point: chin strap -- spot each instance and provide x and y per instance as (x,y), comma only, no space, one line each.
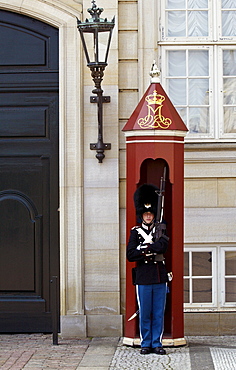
(148,226)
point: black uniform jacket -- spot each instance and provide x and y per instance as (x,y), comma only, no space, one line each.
(149,272)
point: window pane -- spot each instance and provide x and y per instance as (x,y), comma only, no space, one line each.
(229,23)
(183,114)
(199,120)
(186,290)
(229,62)
(197,23)
(177,91)
(229,86)
(229,100)
(175,4)
(198,91)
(230,263)
(202,291)
(194,4)
(227,4)
(176,24)
(229,120)
(176,63)
(186,263)
(230,290)
(198,63)
(202,263)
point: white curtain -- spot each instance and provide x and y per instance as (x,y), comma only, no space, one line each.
(197,4)
(229,23)
(198,91)
(230,120)
(228,4)
(190,4)
(198,63)
(199,121)
(188,73)
(177,24)
(188,87)
(175,4)
(197,23)
(229,62)
(177,63)
(178,91)
(185,22)
(229,90)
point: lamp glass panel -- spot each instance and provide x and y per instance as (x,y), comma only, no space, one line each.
(97,50)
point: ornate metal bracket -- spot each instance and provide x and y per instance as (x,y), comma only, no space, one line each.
(100,146)
(96,26)
(97,73)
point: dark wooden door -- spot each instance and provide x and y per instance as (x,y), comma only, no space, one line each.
(29,231)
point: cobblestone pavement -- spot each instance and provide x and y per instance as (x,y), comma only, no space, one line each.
(36,352)
(130,358)
(201,353)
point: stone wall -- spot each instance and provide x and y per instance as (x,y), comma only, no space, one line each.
(92,195)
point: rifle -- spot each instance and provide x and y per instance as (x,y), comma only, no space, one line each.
(160,228)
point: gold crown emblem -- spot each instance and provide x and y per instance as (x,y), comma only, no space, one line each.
(154,98)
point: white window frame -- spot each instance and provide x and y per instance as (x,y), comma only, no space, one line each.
(216,43)
(218,280)
(223,304)
(163,26)
(214,30)
(217,13)
(202,306)
(164,68)
(220,89)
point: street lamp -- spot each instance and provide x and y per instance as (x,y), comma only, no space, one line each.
(100,30)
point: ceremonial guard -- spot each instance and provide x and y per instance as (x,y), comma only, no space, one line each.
(150,275)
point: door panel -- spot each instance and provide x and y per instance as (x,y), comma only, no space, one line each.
(29,232)
(19,52)
(17,247)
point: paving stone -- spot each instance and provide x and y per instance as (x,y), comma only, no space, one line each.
(36,352)
(130,358)
(224,358)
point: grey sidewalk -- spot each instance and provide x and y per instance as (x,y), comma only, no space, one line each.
(200,353)
(36,351)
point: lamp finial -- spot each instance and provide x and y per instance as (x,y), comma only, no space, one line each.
(95,12)
(155,73)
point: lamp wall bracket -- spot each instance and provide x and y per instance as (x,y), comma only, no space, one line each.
(105,99)
(97,146)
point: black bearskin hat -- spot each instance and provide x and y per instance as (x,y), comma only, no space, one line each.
(146,199)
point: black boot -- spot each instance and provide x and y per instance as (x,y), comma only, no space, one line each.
(145,351)
(159,351)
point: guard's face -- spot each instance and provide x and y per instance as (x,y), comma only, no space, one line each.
(148,217)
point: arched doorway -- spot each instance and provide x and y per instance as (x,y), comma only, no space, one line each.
(29,187)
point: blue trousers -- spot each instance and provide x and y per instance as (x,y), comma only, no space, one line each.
(151,301)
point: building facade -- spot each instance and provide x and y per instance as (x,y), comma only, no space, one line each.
(194,45)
